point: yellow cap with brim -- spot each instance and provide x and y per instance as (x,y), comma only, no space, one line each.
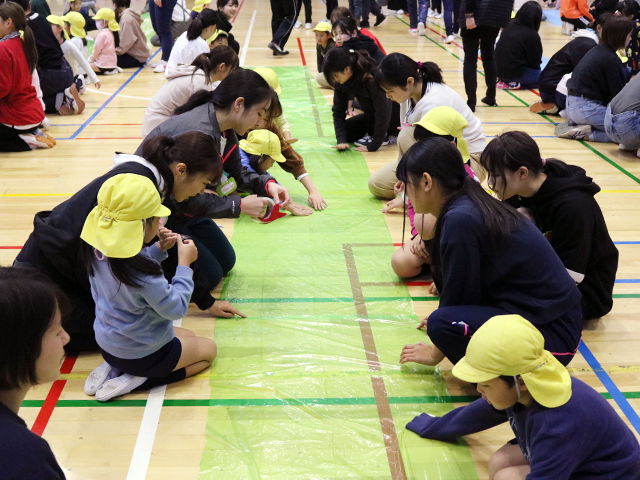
(215,35)
(114,226)
(56,20)
(109,16)
(263,142)
(447,121)
(199,5)
(323,27)
(510,345)
(271,78)
(77,22)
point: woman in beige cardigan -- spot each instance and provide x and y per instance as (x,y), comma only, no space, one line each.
(205,73)
(133,51)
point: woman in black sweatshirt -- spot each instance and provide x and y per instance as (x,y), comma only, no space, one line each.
(519,50)
(351,73)
(559,198)
(346,34)
(486,260)
(597,78)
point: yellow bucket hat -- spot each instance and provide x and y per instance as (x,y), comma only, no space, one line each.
(271,77)
(199,5)
(56,20)
(447,121)
(215,35)
(115,226)
(77,22)
(510,345)
(263,142)
(323,27)
(109,16)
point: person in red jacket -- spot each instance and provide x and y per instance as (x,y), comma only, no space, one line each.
(21,113)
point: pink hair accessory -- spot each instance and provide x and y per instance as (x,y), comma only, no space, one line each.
(544,161)
(419,64)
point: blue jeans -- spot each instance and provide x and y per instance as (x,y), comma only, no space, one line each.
(623,128)
(529,79)
(451,16)
(423,10)
(161,23)
(583,111)
(451,328)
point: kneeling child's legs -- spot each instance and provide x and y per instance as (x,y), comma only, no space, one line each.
(508,463)
(197,352)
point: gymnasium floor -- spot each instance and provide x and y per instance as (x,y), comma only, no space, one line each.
(309,385)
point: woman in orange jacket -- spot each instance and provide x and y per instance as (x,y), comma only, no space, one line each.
(576,12)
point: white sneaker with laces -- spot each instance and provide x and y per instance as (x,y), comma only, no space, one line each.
(399,13)
(449,39)
(439,15)
(121,385)
(298,24)
(160,67)
(308,26)
(431,13)
(421,29)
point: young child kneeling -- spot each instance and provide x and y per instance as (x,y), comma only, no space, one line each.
(135,305)
(564,428)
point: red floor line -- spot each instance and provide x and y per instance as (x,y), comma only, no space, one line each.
(304,63)
(237,11)
(52,398)
(418,284)
(11,248)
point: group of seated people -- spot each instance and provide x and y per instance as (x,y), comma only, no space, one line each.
(518,270)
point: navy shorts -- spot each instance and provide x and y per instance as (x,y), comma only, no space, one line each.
(157,365)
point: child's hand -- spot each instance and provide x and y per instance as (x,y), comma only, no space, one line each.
(398,187)
(292,140)
(342,146)
(395,203)
(279,193)
(287,137)
(423,324)
(417,247)
(187,252)
(97,85)
(166,239)
(316,201)
(223,308)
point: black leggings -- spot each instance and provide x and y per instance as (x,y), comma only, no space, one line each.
(579,23)
(359,125)
(127,61)
(484,38)
(11,142)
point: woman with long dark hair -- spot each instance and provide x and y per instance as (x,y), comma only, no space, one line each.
(486,260)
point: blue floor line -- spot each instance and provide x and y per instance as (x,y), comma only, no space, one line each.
(115,94)
(628,280)
(611,387)
(626,243)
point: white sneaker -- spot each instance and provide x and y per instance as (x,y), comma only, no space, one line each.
(38,139)
(308,26)
(638,153)
(100,375)
(160,67)
(298,24)
(121,385)
(439,15)
(155,64)
(449,39)
(431,13)
(119,69)
(399,13)
(115,72)
(421,28)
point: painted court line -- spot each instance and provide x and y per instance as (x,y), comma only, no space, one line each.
(121,96)
(243,56)
(52,398)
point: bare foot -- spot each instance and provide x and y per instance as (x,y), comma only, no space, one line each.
(421,353)
(298,210)
(76,96)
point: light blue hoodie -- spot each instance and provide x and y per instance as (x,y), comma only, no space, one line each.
(135,322)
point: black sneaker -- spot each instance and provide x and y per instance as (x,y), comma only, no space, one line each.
(277,51)
(379,19)
(365,25)
(364,141)
(489,101)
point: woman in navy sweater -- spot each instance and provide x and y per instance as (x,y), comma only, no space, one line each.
(487,260)
(597,78)
(559,198)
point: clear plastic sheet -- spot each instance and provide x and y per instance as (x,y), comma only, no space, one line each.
(293,384)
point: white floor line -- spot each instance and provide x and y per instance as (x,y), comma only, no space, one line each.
(147,434)
(119,96)
(246,40)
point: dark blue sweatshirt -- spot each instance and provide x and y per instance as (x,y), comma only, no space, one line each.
(584,439)
(524,277)
(23,454)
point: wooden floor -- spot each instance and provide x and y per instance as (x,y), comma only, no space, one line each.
(98,443)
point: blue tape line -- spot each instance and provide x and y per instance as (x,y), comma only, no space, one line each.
(626,243)
(95,114)
(611,387)
(628,280)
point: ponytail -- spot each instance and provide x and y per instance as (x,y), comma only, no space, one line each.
(16,14)
(511,150)
(209,62)
(205,19)
(397,68)
(362,64)
(116,38)
(443,162)
(240,83)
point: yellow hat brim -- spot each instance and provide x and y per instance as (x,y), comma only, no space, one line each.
(463,146)
(278,158)
(465,372)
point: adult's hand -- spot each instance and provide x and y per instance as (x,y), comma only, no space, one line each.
(418,248)
(471,23)
(224,309)
(391,204)
(316,200)
(253,205)
(279,193)
(342,146)
(158,2)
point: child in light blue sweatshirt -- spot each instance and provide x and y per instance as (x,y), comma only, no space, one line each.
(135,305)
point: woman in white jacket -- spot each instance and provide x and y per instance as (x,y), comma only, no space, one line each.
(193,42)
(418,87)
(205,73)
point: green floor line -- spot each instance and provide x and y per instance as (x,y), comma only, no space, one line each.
(260,402)
(600,154)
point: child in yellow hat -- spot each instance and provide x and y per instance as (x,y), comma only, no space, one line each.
(103,59)
(76,6)
(259,152)
(563,427)
(220,37)
(135,305)
(324,43)
(72,54)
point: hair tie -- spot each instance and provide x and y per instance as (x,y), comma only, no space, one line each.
(351,50)
(463,176)
(419,64)
(544,161)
